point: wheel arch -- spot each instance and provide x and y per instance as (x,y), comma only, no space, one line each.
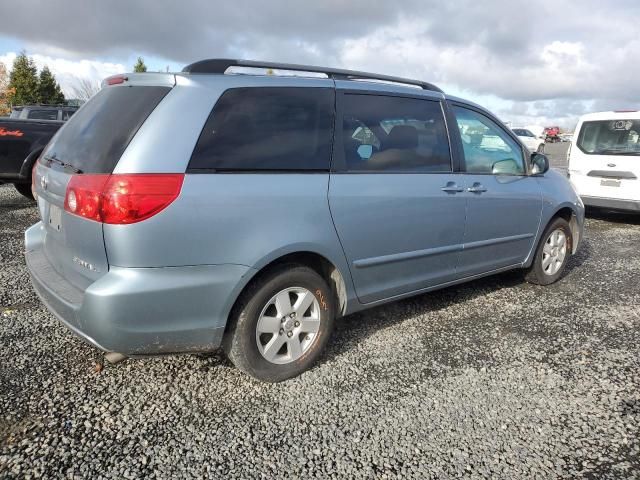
(567,212)
(570,215)
(320,263)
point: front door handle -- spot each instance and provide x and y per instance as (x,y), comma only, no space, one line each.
(452,187)
(476,188)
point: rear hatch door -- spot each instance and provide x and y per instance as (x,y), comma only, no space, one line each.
(90,143)
(605,161)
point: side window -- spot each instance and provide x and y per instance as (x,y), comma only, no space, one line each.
(43,114)
(384,133)
(487,147)
(272,128)
(66,114)
(364,135)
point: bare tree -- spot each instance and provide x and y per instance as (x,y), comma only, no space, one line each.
(5,93)
(84,88)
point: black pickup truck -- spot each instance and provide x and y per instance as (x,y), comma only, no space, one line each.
(21,142)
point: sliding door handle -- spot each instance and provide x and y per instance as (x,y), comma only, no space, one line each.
(476,188)
(452,187)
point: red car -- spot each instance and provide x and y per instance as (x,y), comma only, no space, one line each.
(552,134)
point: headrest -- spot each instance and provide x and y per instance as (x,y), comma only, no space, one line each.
(402,136)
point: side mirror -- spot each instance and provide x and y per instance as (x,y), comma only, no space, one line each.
(506,167)
(539,163)
(365,151)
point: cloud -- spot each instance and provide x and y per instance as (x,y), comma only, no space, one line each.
(578,53)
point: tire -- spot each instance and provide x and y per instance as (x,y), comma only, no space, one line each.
(24,189)
(541,148)
(544,271)
(285,337)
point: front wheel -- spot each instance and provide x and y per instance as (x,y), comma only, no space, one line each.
(281,324)
(552,254)
(24,189)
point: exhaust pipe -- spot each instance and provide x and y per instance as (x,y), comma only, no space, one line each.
(114,357)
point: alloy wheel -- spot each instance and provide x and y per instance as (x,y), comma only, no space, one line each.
(554,252)
(288,325)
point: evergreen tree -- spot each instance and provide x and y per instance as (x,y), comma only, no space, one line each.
(140,67)
(48,89)
(23,81)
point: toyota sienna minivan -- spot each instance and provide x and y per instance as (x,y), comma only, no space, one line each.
(226,206)
(604,160)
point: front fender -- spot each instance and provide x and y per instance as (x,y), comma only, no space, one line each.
(558,196)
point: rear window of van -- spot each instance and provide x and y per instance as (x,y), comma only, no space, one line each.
(94,138)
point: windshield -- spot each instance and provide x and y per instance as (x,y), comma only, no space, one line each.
(610,137)
(521,132)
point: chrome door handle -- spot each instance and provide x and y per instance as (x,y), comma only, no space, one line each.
(477,188)
(452,188)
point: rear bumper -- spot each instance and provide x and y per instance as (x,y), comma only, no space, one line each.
(612,203)
(140,311)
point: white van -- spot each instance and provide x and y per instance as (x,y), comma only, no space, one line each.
(604,160)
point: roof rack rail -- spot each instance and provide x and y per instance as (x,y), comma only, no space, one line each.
(220,65)
(56,105)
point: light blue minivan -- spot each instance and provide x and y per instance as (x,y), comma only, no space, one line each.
(237,205)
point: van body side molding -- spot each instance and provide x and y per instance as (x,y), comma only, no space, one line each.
(398,257)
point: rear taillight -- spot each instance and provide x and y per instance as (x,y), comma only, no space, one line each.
(84,196)
(121,198)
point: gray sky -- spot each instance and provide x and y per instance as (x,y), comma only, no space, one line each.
(530,61)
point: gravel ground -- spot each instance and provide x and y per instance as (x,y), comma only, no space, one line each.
(492,379)
(557,153)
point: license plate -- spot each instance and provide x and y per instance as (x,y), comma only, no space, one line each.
(610,183)
(55,217)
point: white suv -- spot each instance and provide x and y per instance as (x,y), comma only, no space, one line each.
(604,160)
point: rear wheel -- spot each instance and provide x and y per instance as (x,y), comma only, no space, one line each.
(24,189)
(541,148)
(552,253)
(281,324)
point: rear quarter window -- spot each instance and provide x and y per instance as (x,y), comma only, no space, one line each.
(42,115)
(272,128)
(94,138)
